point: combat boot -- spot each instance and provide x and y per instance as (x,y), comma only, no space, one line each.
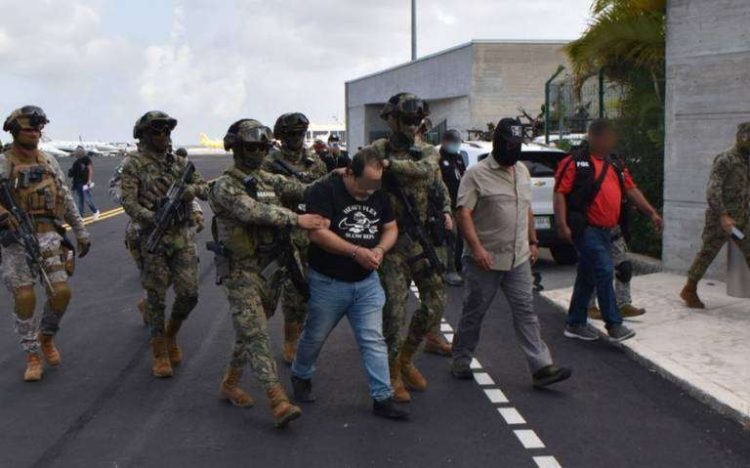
(161,366)
(629,310)
(435,343)
(33,368)
(51,354)
(291,336)
(231,391)
(413,379)
(283,411)
(594,313)
(170,337)
(142,309)
(400,394)
(689,294)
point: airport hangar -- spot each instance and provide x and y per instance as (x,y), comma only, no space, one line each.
(466,86)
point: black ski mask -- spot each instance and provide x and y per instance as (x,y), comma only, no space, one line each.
(506,154)
(507,141)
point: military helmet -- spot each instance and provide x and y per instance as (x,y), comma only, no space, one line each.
(155,119)
(35,115)
(247,131)
(290,122)
(744,127)
(406,104)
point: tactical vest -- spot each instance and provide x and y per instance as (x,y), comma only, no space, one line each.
(36,186)
(586,187)
(156,178)
(247,241)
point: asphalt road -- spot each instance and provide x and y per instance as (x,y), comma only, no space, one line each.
(102,407)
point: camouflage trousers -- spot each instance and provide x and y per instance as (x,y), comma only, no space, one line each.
(397,275)
(133,244)
(176,267)
(714,239)
(619,256)
(293,303)
(17,277)
(251,301)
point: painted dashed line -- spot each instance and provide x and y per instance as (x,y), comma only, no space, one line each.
(512,417)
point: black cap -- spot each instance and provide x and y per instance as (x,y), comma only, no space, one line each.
(510,130)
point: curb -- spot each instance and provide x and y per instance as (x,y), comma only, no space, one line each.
(695,392)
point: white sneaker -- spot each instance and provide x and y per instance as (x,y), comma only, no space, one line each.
(96,215)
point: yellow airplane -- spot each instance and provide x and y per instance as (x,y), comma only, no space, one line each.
(206,142)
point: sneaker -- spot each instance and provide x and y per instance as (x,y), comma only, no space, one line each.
(96,215)
(389,409)
(302,389)
(619,332)
(582,332)
(628,310)
(454,279)
(551,374)
(461,371)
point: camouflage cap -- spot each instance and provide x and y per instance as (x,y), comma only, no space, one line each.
(35,115)
(405,103)
(292,121)
(247,131)
(150,118)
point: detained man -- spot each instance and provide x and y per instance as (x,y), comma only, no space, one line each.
(343,278)
(496,220)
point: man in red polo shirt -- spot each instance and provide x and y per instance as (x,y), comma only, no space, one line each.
(588,199)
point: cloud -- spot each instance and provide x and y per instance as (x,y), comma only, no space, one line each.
(219,61)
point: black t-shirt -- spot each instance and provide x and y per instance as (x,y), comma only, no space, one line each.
(452,167)
(358,222)
(79,171)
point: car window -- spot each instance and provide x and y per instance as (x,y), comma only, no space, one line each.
(542,163)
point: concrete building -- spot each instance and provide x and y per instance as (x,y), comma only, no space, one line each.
(708,71)
(466,86)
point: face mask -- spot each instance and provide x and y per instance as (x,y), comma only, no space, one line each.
(453,148)
(251,159)
(507,156)
(294,141)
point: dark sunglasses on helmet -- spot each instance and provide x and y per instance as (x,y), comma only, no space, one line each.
(262,135)
(158,127)
(414,106)
(295,120)
(411,119)
(253,147)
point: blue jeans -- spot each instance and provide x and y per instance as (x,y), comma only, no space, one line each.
(84,196)
(596,270)
(362,303)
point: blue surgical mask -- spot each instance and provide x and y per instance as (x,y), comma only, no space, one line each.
(453,148)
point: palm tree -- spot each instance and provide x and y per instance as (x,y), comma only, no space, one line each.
(626,37)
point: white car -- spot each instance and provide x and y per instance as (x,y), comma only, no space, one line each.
(542,162)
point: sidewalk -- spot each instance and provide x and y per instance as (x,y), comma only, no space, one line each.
(707,352)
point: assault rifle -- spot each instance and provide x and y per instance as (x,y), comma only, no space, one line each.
(24,234)
(171,209)
(289,259)
(282,167)
(414,227)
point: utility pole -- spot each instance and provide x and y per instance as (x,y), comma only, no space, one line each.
(413,30)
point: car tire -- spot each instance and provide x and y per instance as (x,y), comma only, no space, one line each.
(564,254)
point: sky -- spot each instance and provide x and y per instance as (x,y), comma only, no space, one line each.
(95,66)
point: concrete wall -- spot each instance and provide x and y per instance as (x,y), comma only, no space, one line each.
(708,71)
(509,76)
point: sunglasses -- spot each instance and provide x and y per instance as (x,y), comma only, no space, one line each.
(411,119)
(254,147)
(161,127)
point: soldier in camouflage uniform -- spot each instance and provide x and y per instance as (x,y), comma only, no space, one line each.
(414,165)
(728,197)
(248,215)
(38,186)
(146,178)
(132,243)
(290,130)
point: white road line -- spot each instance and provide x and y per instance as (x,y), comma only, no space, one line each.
(511,416)
(445,327)
(546,462)
(475,364)
(483,378)
(495,395)
(448,337)
(529,439)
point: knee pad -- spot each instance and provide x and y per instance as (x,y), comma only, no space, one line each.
(624,272)
(60,297)
(25,302)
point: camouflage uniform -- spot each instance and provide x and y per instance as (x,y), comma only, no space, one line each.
(728,193)
(248,228)
(50,202)
(146,178)
(415,175)
(311,168)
